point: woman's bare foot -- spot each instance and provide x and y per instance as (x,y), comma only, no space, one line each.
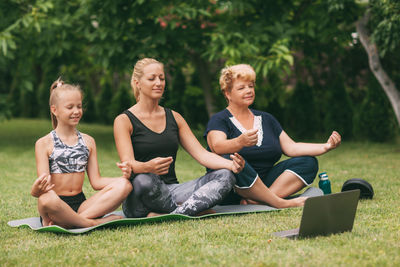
(205,212)
(154,214)
(246,201)
(295,202)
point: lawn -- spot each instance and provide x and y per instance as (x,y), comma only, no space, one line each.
(245,240)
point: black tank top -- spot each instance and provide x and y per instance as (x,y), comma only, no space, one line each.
(148,145)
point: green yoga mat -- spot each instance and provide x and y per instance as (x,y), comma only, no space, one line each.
(34,222)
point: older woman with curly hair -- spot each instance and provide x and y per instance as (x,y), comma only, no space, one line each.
(259,138)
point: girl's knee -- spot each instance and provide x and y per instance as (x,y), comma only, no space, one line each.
(122,185)
(126,187)
(48,200)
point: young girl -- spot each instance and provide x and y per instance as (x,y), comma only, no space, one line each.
(62,156)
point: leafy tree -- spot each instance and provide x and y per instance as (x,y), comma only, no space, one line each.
(96,44)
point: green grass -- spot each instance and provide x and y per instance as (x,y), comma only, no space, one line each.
(245,240)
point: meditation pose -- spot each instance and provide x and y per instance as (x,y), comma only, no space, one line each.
(259,138)
(147,137)
(62,157)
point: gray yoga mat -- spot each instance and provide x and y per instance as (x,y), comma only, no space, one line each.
(34,222)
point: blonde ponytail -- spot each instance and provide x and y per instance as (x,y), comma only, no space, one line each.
(55,87)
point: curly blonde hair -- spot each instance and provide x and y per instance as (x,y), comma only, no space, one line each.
(230,74)
(138,73)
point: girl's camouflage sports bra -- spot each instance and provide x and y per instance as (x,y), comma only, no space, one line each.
(68,159)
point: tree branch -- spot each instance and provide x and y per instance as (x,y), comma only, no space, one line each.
(375,65)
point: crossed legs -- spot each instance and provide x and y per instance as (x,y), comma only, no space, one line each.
(259,193)
(283,180)
(150,194)
(286,184)
(54,210)
(291,175)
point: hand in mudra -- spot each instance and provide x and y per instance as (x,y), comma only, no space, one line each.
(42,185)
(160,165)
(334,141)
(249,138)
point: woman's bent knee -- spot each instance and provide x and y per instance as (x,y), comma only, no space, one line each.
(309,168)
(144,183)
(227,176)
(312,163)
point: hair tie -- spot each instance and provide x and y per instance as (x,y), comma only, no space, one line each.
(59,84)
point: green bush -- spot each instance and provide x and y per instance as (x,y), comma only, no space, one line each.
(5,108)
(122,100)
(301,113)
(375,120)
(103,105)
(174,90)
(337,108)
(89,105)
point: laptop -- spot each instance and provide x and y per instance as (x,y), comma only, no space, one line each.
(327,214)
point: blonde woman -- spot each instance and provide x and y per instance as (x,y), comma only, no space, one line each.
(147,136)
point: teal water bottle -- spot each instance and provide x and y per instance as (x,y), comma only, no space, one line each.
(324,183)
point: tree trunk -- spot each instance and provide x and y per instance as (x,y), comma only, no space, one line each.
(375,65)
(205,82)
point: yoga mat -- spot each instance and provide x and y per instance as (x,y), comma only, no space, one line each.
(34,222)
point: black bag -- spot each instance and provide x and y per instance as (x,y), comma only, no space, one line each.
(366,190)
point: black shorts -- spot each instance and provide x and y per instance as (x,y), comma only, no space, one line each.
(73,201)
(305,168)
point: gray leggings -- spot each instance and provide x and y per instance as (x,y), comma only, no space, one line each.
(151,194)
